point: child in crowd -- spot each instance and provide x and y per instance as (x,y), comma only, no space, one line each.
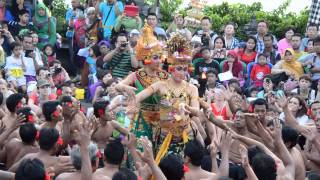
(260,70)
(212,78)
(304,89)
(94,53)
(233,65)
(202,67)
(15,67)
(50,53)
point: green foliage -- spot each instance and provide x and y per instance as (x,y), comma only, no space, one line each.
(167,10)
(241,14)
(59,11)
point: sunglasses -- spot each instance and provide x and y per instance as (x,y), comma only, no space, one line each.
(179,68)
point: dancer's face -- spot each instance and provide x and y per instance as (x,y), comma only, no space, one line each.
(180,72)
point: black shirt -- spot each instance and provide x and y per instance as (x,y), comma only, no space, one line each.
(15,28)
(201,69)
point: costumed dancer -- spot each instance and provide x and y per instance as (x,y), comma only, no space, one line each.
(176,94)
(149,52)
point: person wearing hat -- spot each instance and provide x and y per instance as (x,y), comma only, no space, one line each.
(42,95)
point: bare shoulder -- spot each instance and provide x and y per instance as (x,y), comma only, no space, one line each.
(64,176)
(100,175)
(14,142)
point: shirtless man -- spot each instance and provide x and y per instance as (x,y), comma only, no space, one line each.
(238,125)
(52,112)
(311,152)
(49,142)
(67,91)
(105,125)
(113,156)
(290,139)
(71,113)
(13,102)
(194,153)
(15,149)
(283,167)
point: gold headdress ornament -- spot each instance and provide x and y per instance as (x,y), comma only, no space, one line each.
(179,51)
(147,45)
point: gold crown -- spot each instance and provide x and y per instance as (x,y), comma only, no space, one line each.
(179,52)
(147,45)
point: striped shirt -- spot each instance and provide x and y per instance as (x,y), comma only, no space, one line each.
(121,64)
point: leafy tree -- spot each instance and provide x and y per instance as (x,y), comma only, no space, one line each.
(59,11)
(240,14)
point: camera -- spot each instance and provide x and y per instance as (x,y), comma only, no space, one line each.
(268,81)
(204,40)
(124,45)
(57,70)
(48,75)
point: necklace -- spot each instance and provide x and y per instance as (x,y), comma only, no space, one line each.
(176,92)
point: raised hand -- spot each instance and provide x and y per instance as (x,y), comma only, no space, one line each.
(226,92)
(130,141)
(282,101)
(147,155)
(18,122)
(308,133)
(83,136)
(93,123)
(277,132)
(226,141)
(129,91)
(252,117)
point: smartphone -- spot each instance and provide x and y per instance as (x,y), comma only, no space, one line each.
(28,52)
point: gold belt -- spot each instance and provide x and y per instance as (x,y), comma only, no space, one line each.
(175,127)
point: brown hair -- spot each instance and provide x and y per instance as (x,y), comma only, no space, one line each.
(302,103)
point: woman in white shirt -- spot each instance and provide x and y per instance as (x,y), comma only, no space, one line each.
(298,108)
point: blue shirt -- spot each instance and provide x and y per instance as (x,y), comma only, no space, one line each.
(315,61)
(111,21)
(69,15)
(304,44)
(92,65)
